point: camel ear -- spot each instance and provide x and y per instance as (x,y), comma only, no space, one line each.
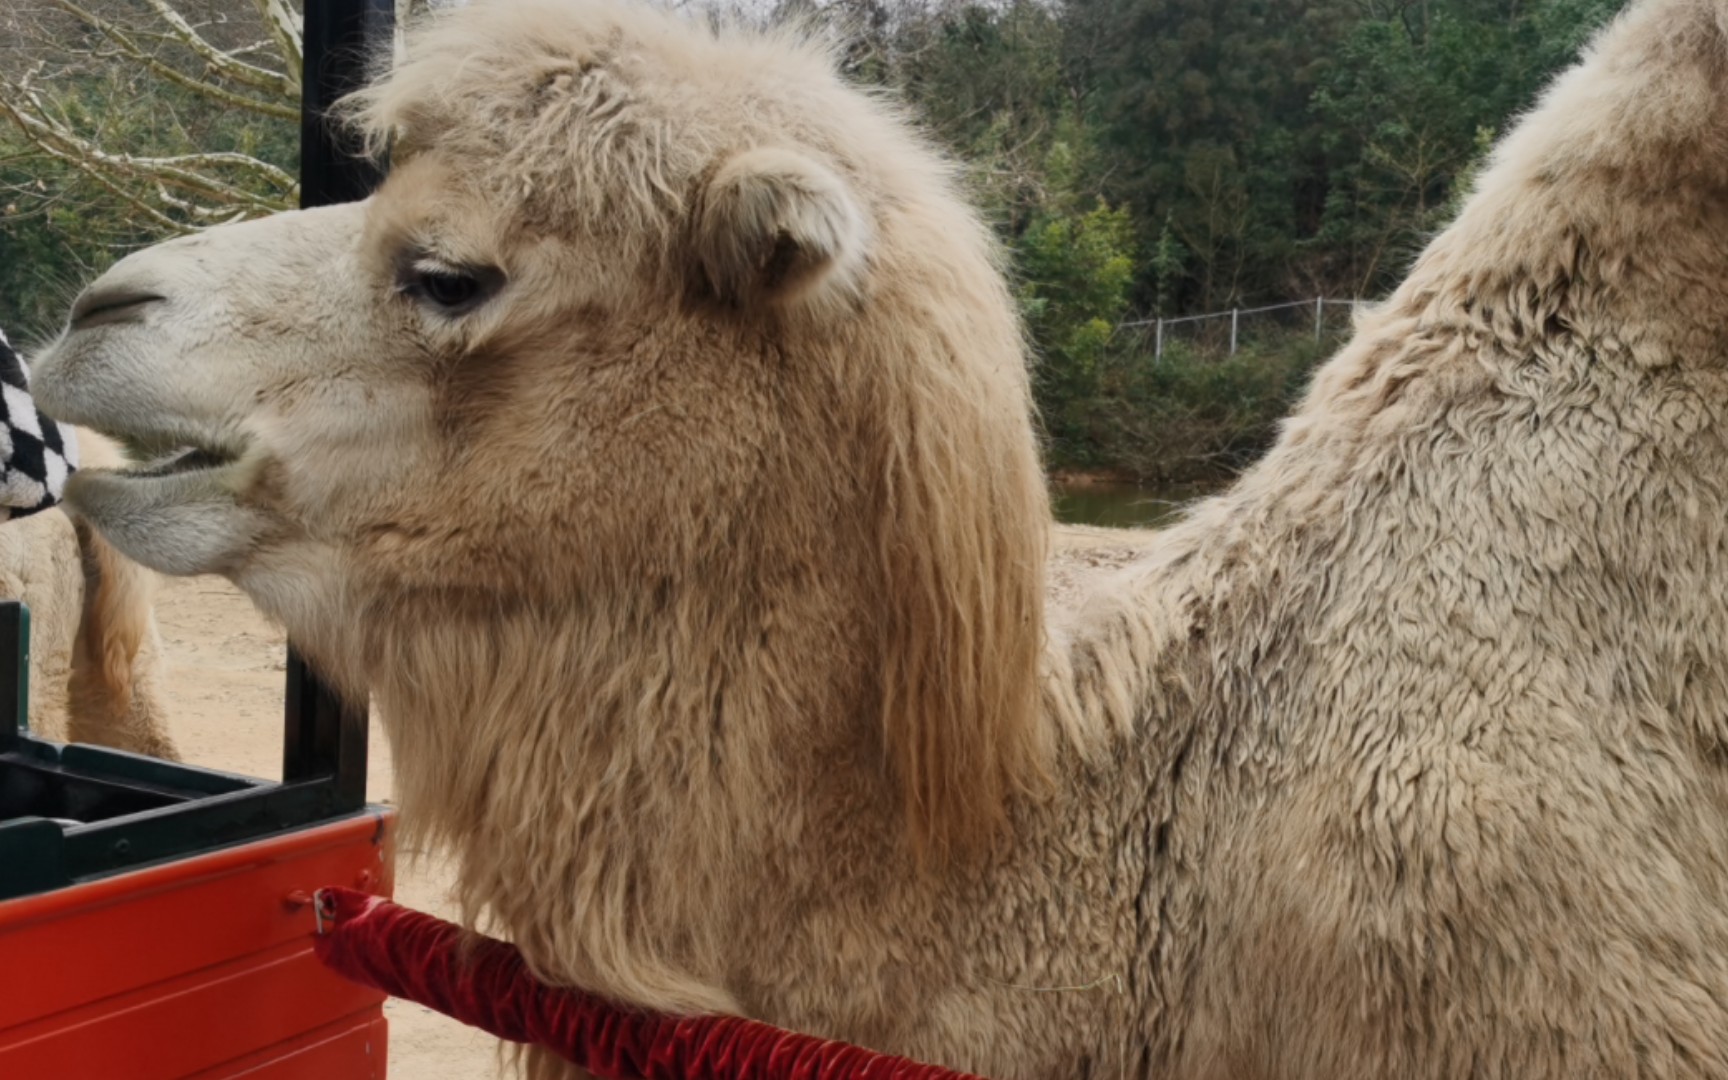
(774,227)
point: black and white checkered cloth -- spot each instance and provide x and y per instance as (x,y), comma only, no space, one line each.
(36,455)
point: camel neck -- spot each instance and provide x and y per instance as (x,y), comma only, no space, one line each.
(673,752)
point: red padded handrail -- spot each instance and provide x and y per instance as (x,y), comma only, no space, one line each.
(486,984)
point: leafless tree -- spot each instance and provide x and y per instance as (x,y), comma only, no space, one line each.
(165,108)
(177,114)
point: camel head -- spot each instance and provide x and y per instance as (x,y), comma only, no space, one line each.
(654,325)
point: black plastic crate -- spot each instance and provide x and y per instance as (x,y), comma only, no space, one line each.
(72,813)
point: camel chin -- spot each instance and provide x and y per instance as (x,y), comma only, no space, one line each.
(174,519)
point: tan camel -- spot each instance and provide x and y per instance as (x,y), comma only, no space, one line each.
(95,657)
(655,447)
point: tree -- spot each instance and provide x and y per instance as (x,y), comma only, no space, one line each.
(1404,111)
(124,122)
(1168,256)
(1075,267)
(1202,112)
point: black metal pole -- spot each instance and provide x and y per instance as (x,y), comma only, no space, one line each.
(340,37)
(326,736)
(14,672)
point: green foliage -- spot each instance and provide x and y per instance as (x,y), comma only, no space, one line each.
(989,81)
(1158,157)
(50,241)
(1174,156)
(1465,180)
(1562,27)
(1194,415)
(1402,113)
(1168,257)
(1202,109)
(1076,268)
(1302,146)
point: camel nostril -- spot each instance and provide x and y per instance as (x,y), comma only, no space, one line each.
(102,307)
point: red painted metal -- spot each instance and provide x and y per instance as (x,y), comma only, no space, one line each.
(200,968)
(349,1048)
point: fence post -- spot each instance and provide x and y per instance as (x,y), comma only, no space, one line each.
(1158,348)
(1234,312)
(1318,315)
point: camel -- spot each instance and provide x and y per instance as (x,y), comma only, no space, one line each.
(655,448)
(95,663)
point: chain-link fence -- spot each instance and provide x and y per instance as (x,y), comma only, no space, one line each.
(1227,331)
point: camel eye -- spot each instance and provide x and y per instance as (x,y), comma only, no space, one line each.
(451,290)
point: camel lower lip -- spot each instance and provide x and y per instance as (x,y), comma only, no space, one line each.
(188,475)
(185,521)
(153,485)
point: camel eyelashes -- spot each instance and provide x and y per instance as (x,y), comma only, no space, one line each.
(450,290)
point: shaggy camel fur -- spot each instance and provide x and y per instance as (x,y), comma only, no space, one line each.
(655,448)
(95,657)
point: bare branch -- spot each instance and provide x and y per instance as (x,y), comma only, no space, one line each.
(284,23)
(222,63)
(209,216)
(151,213)
(132,51)
(53,137)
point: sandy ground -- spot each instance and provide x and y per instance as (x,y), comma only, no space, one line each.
(225,706)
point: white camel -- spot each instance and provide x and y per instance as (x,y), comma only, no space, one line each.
(655,448)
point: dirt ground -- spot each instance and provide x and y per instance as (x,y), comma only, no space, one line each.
(225,697)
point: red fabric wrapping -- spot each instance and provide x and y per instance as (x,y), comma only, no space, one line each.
(411,955)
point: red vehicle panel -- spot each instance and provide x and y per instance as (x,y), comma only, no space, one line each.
(199,968)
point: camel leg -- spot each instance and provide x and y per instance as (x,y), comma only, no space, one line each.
(114,693)
(39,566)
(114,697)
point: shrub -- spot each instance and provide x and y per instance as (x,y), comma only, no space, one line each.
(1192,416)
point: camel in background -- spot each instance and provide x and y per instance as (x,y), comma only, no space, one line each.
(96,664)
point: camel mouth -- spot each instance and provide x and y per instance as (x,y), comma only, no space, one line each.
(170,471)
(166,467)
(168,449)
(184,459)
